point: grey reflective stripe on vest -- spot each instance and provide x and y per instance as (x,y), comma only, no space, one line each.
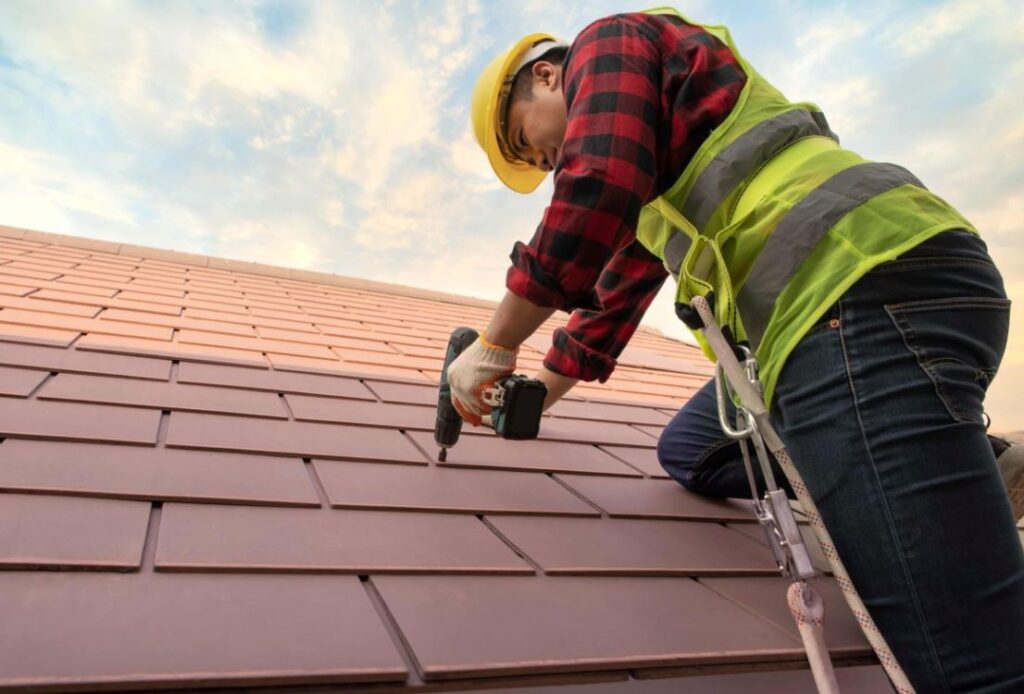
(799,232)
(735,164)
(745,155)
(675,250)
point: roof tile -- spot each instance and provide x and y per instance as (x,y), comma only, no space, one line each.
(36,335)
(199,337)
(89,362)
(287,362)
(107,301)
(605,412)
(254,318)
(404,393)
(277,381)
(869,679)
(39,531)
(606,546)
(93,630)
(562,429)
(15,289)
(331,340)
(643,459)
(328,540)
(544,624)
(38,303)
(20,382)
(370,485)
(89,325)
(175,321)
(766,597)
(166,396)
(221,432)
(174,350)
(9,270)
(655,499)
(65,420)
(159,474)
(489,451)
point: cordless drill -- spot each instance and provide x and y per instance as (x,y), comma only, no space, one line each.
(516,414)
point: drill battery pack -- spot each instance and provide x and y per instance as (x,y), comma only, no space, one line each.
(518,417)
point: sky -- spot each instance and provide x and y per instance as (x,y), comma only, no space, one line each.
(334,136)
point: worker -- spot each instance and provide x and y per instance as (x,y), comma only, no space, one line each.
(873,307)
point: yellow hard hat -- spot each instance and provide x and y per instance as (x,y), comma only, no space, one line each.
(490,105)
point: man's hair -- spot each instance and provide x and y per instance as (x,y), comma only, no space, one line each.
(522,86)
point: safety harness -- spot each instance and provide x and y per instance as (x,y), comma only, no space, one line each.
(773,511)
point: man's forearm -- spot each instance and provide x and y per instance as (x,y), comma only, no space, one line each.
(515,320)
(558,385)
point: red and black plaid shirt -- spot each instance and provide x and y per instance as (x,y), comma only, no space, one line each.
(642,92)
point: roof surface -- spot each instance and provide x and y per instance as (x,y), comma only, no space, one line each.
(218,474)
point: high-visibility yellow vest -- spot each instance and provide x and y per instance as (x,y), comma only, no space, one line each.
(778,220)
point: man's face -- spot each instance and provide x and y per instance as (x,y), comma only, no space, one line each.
(536,127)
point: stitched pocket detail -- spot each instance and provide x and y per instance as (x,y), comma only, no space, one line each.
(958,342)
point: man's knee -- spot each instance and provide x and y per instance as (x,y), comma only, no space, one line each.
(677,460)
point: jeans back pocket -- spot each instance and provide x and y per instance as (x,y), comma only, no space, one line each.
(959,343)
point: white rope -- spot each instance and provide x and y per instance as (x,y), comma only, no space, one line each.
(809,612)
(860,612)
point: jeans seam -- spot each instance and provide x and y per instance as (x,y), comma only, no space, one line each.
(923,262)
(907,334)
(979,302)
(702,458)
(886,511)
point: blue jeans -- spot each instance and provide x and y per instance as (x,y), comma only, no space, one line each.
(880,406)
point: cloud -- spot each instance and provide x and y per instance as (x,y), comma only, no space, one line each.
(40,186)
(930,28)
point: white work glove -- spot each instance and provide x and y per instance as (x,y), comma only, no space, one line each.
(474,371)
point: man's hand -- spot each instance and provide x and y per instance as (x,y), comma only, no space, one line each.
(475,370)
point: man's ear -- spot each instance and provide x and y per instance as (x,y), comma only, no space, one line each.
(546,74)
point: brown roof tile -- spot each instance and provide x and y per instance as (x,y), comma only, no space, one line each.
(538,625)
(153,473)
(39,531)
(20,382)
(489,451)
(167,396)
(654,499)
(643,459)
(92,630)
(65,420)
(229,433)
(277,381)
(605,546)
(333,540)
(83,362)
(370,485)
